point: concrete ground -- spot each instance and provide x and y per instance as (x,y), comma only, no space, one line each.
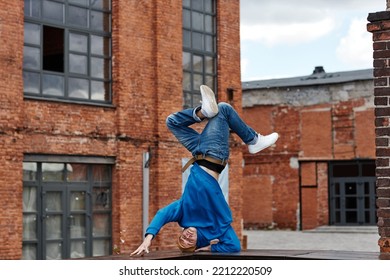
(362,239)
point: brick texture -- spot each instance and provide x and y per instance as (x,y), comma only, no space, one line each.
(147,87)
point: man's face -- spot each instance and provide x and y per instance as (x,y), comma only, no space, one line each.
(188,237)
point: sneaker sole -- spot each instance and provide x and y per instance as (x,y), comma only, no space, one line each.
(208,94)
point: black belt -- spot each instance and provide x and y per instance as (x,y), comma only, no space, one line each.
(199,157)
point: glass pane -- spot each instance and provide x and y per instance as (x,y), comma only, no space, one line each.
(350,188)
(77,249)
(101,225)
(186,19)
(351,202)
(366,188)
(78,16)
(53,171)
(196,99)
(77,201)
(368,169)
(53,11)
(32,33)
(78,64)
(78,42)
(29,199)
(78,88)
(80,2)
(31,58)
(53,251)
(197,21)
(209,43)
(53,201)
(186,81)
(351,216)
(31,82)
(101,199)
(197,4)
(77,172)
(186,61)
(186,39)
(337,202)
(187,100)
(29,252)
(77,226)
(187,3)
(367,217)
(100,4)
(31,8)
(197,63)
(99,91)
(53,49)
(197,41)
(101,173)
(101,248)
(100,45)
(29,171)
(210,65)
(29,227)
(209,26)
(367,203)
(52,85)
(208,6)
(337,188)
(53,227)
(99,67)
(197,81)
(100,21)
(347,170)
(209,81)
(337,217)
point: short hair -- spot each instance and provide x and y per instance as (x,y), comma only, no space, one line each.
(184,249)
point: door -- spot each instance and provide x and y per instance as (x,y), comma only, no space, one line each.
(352,193)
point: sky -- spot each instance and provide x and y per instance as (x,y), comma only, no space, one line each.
(288,38)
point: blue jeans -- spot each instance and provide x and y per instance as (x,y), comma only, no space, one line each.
(214,139)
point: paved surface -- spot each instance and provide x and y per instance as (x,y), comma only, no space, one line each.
(362,239)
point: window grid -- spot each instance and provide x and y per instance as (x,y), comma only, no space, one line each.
(199,49)
(86,73)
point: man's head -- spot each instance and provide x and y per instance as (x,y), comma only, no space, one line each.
(187,240)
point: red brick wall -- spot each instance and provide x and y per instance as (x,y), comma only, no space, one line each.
(309,137)
(147,87)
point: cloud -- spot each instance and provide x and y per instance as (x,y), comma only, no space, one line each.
(354,49)
(271,34)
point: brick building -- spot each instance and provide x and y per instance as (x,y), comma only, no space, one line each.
(322,170)
(86,87)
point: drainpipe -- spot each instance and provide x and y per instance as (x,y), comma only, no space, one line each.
(145,191)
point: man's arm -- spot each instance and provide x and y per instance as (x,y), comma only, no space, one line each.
(170,213)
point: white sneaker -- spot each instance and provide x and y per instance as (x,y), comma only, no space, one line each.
(209,105)
(263,142)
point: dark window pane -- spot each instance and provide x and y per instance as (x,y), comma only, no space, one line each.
(346,170)
(351,202)
(53,11)
(337,203)
(338,217)
(101,198)
(78,16)
(53,49)
(32,33)
(367,203)
(77,172)
(52,85)
(368,169)
(337,188)
(350,188)
(351,216)
(78,88)
(101,173)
